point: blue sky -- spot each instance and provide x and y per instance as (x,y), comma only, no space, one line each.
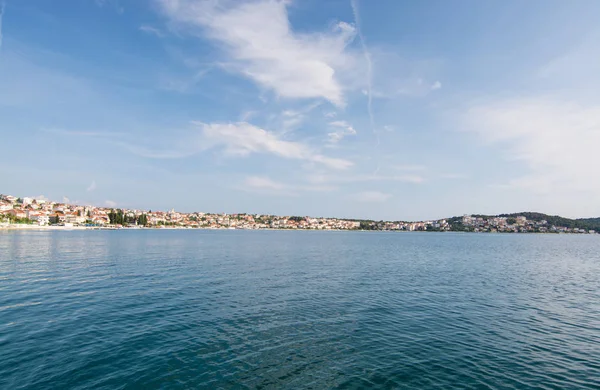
(385,110)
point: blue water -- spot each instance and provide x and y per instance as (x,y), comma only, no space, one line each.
(296,310)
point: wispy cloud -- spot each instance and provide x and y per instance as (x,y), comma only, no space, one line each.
(92,186)
(262,46)
(342,129)
(235,139)
(289,120)
(247,115)
(371,196)
(110,203)
(152,30)
(242,139)
(184,84)
(556,140)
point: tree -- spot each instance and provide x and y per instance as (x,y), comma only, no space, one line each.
(142,220)
(366,226)
(112,216)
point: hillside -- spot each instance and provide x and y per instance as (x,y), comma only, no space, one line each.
(556,220)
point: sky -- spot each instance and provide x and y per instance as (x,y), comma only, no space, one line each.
(387,109)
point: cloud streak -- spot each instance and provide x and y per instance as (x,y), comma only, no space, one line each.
(369,62)
(342,130)
(242,139)
(2,7)
(151,30)
(92,186)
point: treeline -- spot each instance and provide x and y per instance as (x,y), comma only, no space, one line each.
(117,217)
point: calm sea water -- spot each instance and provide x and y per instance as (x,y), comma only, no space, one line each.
(295,310)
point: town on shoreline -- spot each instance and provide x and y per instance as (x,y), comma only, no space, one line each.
(40,213)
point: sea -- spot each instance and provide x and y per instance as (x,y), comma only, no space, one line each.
(231,309)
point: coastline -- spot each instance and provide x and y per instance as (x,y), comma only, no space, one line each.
(27,227)
(38,227)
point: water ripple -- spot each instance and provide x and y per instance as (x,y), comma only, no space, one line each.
(272,310)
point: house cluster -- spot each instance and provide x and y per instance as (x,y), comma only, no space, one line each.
(437,225)
(518,224)
(43,212)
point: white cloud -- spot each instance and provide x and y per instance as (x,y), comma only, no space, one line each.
(371,196)
(436,85)
(343,129)
(152,30)
(236,139)
(92,186)
(557,141)
(242,139)
(110,203)
(261,45)
(66,200)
